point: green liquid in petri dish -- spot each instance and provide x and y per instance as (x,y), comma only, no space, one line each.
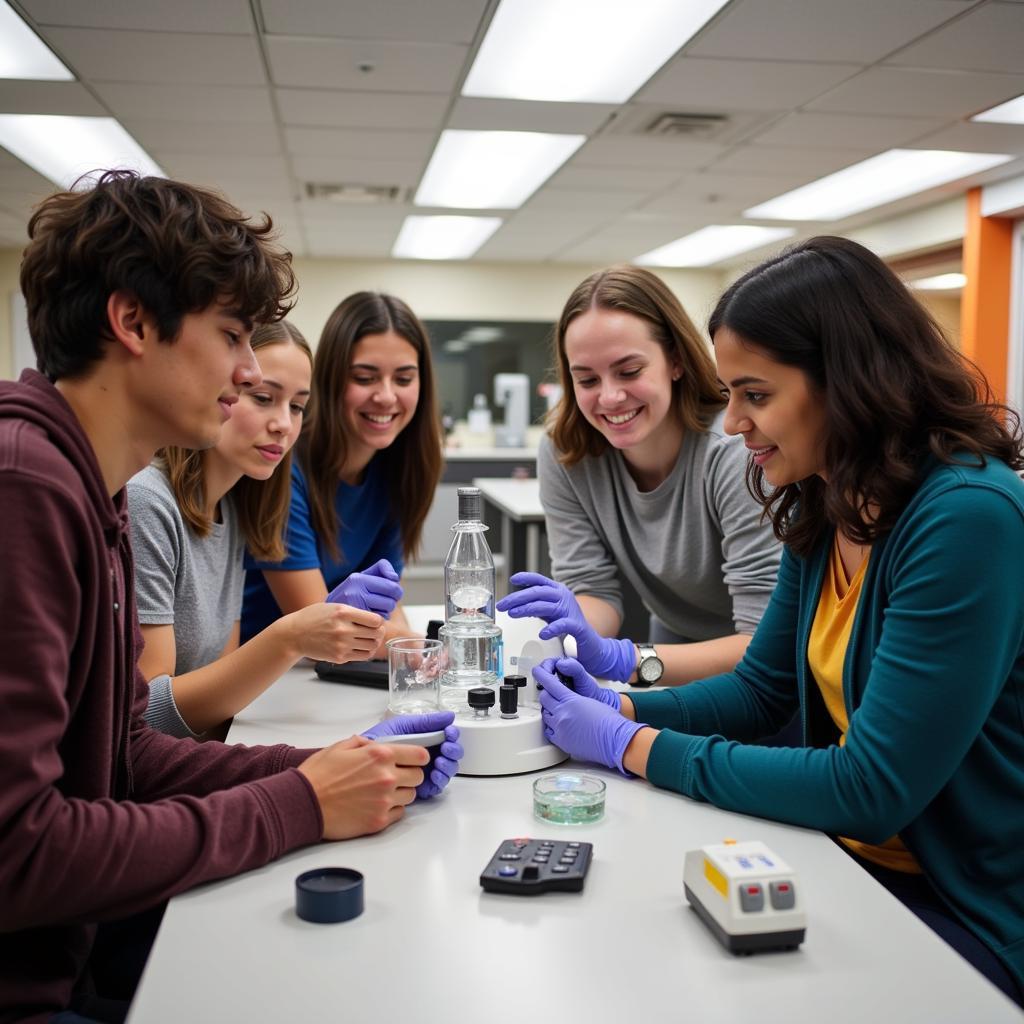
(569,808)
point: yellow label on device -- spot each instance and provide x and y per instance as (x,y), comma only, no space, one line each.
(716,878)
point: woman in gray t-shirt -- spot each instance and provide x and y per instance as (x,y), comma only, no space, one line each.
(640,482)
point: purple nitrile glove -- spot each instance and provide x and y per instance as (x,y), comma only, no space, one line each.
(375,590)
(445,758)
(582,682)
(586,729)
(556,604)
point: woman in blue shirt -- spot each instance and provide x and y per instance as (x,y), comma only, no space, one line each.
(897,625)
(367,464)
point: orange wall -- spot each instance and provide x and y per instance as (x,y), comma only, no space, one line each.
(985,304)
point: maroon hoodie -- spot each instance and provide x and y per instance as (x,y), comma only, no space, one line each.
(100,816)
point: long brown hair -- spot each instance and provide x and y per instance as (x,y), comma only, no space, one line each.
(697,395)
(895,392)
(262,505)
(413,464)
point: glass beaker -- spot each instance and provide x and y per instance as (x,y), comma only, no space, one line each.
(473,657)
(414,675)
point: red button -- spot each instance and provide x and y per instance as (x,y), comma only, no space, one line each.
(753,890)
(783,887)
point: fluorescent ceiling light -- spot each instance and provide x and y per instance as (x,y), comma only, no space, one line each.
(492,170)
(875,182)
(443,237)
(712,244)
(581,51)
(23,54)
(1010,112)
(939,283)
(64,148)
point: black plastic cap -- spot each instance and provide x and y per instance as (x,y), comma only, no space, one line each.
(515,680)
(481,697)
(329,895)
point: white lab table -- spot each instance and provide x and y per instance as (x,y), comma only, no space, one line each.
(431,946)
(522,520)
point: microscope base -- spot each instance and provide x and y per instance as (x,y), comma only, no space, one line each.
(505,746)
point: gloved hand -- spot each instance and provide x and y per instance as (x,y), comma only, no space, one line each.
(582,682)
(556,604)
(444,759)
(375,590)
(585,729)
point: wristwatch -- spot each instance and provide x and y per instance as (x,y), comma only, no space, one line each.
(649,667)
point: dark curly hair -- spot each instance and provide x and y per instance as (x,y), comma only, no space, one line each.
(894,390)
(175,247)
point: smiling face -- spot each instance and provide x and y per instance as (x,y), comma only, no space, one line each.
(382,392)
(622,379)
(268,417)
(775,407)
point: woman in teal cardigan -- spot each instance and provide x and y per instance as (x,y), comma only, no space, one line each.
(897,625)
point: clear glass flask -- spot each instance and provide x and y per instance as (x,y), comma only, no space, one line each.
(472,641)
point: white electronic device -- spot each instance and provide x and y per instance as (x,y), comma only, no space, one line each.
(748,896)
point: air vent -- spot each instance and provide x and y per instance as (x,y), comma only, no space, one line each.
(699,126)
(353,195)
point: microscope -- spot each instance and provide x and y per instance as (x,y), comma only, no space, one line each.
(512,391)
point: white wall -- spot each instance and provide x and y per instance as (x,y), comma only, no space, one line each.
(436,291)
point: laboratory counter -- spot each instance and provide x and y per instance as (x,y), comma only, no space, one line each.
(431,946)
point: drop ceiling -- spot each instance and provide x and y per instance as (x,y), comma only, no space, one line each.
(262,97)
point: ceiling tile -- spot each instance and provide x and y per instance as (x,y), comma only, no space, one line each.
(440,21)
(628,178)
(827,30)
(976,138)
(201,137)
(536,238)
(325,211)
(159,56)
(552,202)
(694,84)
(828,131)
(348,143)
(718,194)
(676,154)
(331,108)
(796,164)
(990,38)
(475,113)
(906,91)
(202,103)
(181,16)
(358,171)
(19,97)
(224,171)
(394,67)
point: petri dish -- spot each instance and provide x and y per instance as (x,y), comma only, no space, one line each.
(569,798)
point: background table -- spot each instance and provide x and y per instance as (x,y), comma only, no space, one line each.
(431,946)
(522,522)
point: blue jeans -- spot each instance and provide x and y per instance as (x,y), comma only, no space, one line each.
(916,893)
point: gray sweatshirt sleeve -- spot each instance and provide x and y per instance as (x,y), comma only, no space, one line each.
(750,552)
(579,557)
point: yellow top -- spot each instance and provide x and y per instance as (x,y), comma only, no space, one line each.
(826,654)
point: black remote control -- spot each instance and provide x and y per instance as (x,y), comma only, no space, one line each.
(526,867)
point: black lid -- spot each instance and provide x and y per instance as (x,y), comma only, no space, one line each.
(480,697)
(329,895)
(515,680)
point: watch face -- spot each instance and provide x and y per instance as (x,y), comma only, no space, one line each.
(650,669)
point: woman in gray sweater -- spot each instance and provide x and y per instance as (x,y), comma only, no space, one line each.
(640,482)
